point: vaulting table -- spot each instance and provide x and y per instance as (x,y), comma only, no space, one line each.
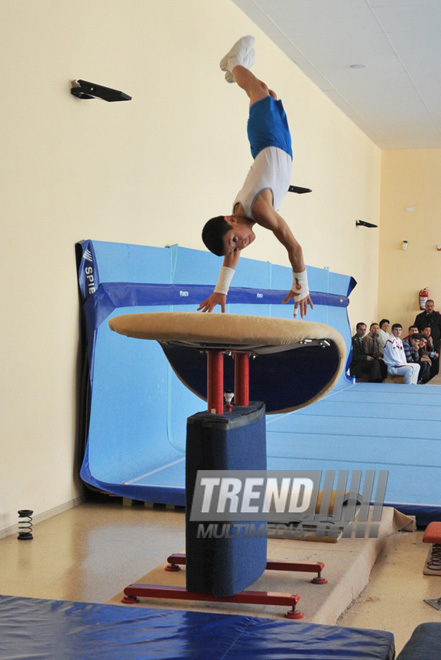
(278,364)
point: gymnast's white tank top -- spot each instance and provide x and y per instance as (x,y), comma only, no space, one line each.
(271,170)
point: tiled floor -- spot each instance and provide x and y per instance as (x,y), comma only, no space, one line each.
(90,552)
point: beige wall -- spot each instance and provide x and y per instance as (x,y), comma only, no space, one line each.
(148,172)
(410,179)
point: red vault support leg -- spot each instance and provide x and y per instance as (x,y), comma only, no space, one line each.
(215,382)
(133,591)
(241,379)
(272,565)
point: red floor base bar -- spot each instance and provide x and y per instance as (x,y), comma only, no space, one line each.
(304,567)
(133,591)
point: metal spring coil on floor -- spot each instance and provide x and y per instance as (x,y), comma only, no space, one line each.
(434,563)
(25,525)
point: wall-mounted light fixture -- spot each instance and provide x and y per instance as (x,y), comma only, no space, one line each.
(87,90)
(404,245)
(363,223)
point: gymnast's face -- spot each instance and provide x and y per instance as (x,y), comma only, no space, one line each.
(239,236)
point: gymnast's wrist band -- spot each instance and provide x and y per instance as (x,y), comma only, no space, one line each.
(225,277)
(300,285)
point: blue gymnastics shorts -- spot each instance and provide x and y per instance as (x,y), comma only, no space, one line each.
(268,126)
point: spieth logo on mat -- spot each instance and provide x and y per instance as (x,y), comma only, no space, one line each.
(89,272)
(90,277)
(288,503)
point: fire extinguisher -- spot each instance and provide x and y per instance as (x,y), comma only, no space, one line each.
(424,294)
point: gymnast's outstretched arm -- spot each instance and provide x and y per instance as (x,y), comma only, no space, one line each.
(266,216)
(230,261)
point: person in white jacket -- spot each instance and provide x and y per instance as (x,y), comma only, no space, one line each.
(395,358)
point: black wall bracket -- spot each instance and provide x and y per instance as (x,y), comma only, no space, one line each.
(362,223)
(87,90)
(299,190)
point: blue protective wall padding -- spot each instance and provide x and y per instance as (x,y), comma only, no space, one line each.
(118,294)
(138,408)
(62,630)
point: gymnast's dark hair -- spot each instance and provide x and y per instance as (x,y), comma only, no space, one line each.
(213,232)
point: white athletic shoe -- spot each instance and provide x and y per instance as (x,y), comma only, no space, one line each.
(241,53)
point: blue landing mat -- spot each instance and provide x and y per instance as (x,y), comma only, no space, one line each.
(36,629)
(370,426)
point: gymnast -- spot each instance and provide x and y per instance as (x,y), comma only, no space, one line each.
(264,188)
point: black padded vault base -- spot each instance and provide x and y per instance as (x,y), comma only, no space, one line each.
(233,441)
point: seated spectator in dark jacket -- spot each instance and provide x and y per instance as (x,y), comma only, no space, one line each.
(360,362)
(425,356)
(373,347)
(414,352)
(430,349)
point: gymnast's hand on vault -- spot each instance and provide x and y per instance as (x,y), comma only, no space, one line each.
(210,303)
(302,304)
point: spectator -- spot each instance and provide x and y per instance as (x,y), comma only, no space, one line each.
(415,353)
(384,335)
(412,330)
(429,348)
(372,347)
(395,358)
(360,362)
(424,356)
(433,319)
